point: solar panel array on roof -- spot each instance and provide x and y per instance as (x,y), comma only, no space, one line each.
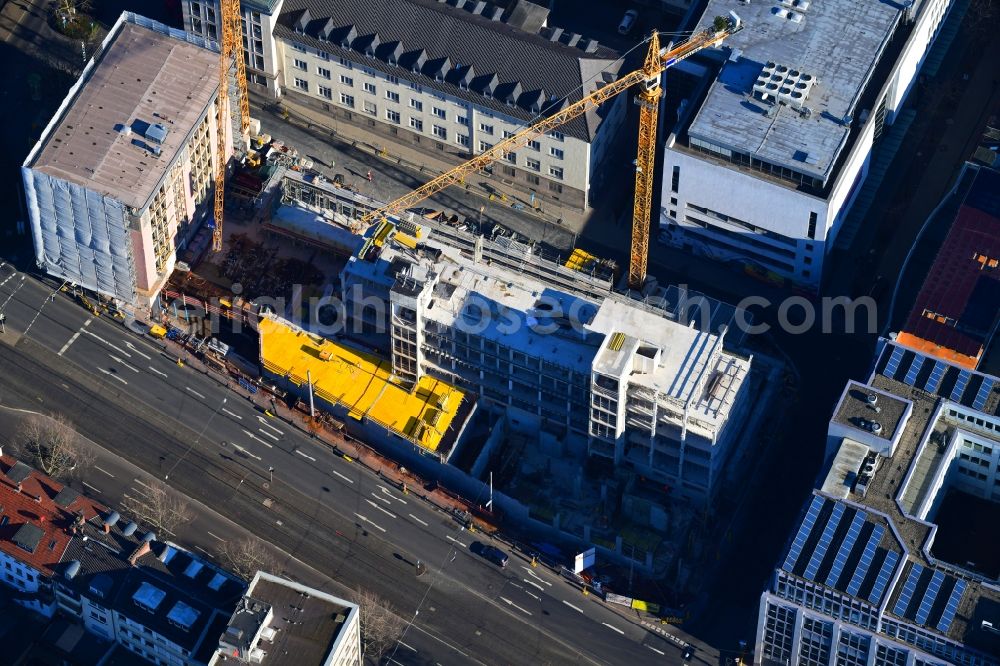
(924,610)
(966,387)
(944,624)
(824,541)
(803,533)
(866,560)
(845,548)
(884,575)
(909,587)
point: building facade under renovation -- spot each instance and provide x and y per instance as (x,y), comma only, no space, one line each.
(122,176)
(641,390)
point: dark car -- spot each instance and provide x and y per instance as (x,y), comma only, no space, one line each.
(491,553)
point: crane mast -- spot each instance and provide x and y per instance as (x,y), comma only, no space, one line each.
(648,77)
(230,54)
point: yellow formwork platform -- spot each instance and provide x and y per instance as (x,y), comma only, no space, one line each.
(360,382)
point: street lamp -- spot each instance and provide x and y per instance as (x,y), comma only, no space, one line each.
(270,470)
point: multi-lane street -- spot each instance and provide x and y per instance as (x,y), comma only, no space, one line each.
(207,442)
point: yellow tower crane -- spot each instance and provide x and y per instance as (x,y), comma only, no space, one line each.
(230,55)
(648,78)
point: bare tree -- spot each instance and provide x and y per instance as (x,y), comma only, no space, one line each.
(381,628)
(52,446)
(72,7)
(246,557)
(157,506)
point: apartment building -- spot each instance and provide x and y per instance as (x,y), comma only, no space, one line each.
(450,79)
(282,623)
(883,567)
(635,387)
(765,162)
(121,178)
(259,47)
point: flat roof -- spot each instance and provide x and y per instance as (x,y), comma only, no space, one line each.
(861,406)
(836,42)
(958,308)
(362,383)
(146,75)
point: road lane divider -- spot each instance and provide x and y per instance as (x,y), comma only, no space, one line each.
(158,372)
(193,392)
(127,365)
(304,455)
(255,437)
(74,337)
(418,520)
(111,374)
(366,520)
(576,608)
(101,469)
(342,476)
(233,414)
(454,540)
(267,434)
(511,603)
(613,628)
(388,513)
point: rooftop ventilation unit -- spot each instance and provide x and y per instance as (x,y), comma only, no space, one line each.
(784,84)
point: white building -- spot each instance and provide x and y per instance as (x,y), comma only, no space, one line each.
(121,178)
(543,341)
(281,623)
(447,79)
(884,568)
(762,169)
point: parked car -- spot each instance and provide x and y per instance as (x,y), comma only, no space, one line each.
(491,553)
(627,22)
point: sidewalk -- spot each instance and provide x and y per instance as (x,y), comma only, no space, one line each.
(426,166)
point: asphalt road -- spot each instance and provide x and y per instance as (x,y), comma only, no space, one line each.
(182,426)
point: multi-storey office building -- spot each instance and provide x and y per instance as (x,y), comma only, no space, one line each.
(886,566)
(639,389)
(279,623)
(450,79)
(122,175)
(763,167)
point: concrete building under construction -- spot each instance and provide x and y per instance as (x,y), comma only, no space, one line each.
(121,177)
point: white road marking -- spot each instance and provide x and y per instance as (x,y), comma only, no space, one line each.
(407,646)
(75,336)
(237,447)
(531,582)
(386,512)
(193,392)
(454,540)
(364,519)
(116,348)
(253,436)
(233,414)
(111,374)
(533,595)
(158,372)
(511,603)
(398,499)
(531,572)
(613,628)
(657,651)
(203,550)
(342,476)
(214,536)
(267,434)
(576,608)
(442,642)
(142,483)
(381,499)
(92,487)
(304,455)
(418,520)
(130,367)
(132,347)
(101,469)
(268,425)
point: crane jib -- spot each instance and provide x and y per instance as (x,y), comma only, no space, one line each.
(670,62)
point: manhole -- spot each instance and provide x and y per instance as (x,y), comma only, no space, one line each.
(265,485)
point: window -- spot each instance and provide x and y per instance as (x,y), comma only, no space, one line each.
(534,145)
(301,64)
(392,79)
(534,165)
(509,171)
(507,134)
(675,180)
(812,225)
(371,108)
(510,157)
(392,96)
(370,88)
(440,113)
(440,132)
(347,100)
(558,136)
(486,129)
(555,187)
(463,120)
(325,73)
(556,172)
(534,180)
(347,81)
(462,140)
(392,116)
(416,104)
(302,84)
(417,124)
(414,86)
(484,146)
(344,62)
(298,47)
(326,92)
(556,153)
